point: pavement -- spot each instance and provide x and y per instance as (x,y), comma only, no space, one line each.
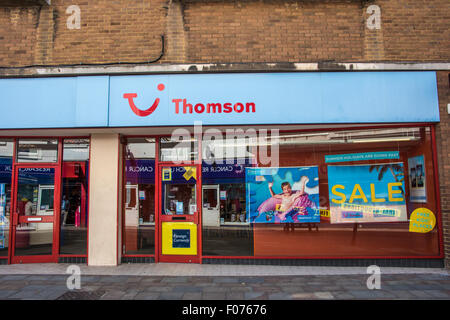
(171,281)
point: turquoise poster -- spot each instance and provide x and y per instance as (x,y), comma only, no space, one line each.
(282,195)
(367,193)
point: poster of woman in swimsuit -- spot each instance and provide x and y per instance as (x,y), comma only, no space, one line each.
(282,195)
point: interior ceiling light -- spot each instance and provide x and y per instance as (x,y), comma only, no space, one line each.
(387,139)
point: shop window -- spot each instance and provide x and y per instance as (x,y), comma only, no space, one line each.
(179,198)
(74,200)
(225,227)
(346,193)
(178,150)
(37,150)
(76,150)
(139,211)
(35,197)
(6,157)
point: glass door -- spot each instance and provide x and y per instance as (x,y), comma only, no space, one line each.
(34,227)
(211,208)
(179,213)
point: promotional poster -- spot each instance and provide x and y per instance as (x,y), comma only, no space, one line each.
(367,193)
(417,179)
(2,215)
(282,195)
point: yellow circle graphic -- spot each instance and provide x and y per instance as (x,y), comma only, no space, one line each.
(422,220)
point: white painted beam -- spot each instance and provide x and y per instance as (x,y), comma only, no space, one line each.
(221,67)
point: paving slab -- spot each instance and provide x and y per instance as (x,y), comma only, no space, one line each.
(180,269)
(173,282)
(186,289)
(234,296)
(171,295)
(192,296)
(147,296)
(214,296)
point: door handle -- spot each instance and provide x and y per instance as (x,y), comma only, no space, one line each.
(34,219)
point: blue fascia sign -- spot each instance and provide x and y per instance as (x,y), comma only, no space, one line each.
(219,99)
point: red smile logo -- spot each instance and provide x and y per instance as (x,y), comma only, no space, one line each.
(136,110)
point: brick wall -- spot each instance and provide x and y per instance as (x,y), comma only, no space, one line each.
(207,31)
(111,31)
(263,31)
(443,150)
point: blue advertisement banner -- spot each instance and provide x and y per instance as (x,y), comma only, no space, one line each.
(282,195)
(367,193)
(362,156)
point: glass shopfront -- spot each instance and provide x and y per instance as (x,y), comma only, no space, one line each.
(6,160)
(362,193)
(74,201)
(350,171)
(374,190)
(43,199)
(139,213)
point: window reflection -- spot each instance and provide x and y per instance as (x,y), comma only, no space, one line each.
(35,191)
(139,219)
(76,150)
(35,197)
(34,239)
(225,228)
(74,199)
(179,199)
(232,203)
(184,149)
(327,238)
(42,150)
(6,154)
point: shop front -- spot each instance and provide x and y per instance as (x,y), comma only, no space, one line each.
(217,168)
(44,199)
(335,194)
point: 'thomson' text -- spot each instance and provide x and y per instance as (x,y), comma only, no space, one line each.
(181,105)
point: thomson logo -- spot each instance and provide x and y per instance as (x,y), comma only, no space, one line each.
(182,106)
(136,110)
